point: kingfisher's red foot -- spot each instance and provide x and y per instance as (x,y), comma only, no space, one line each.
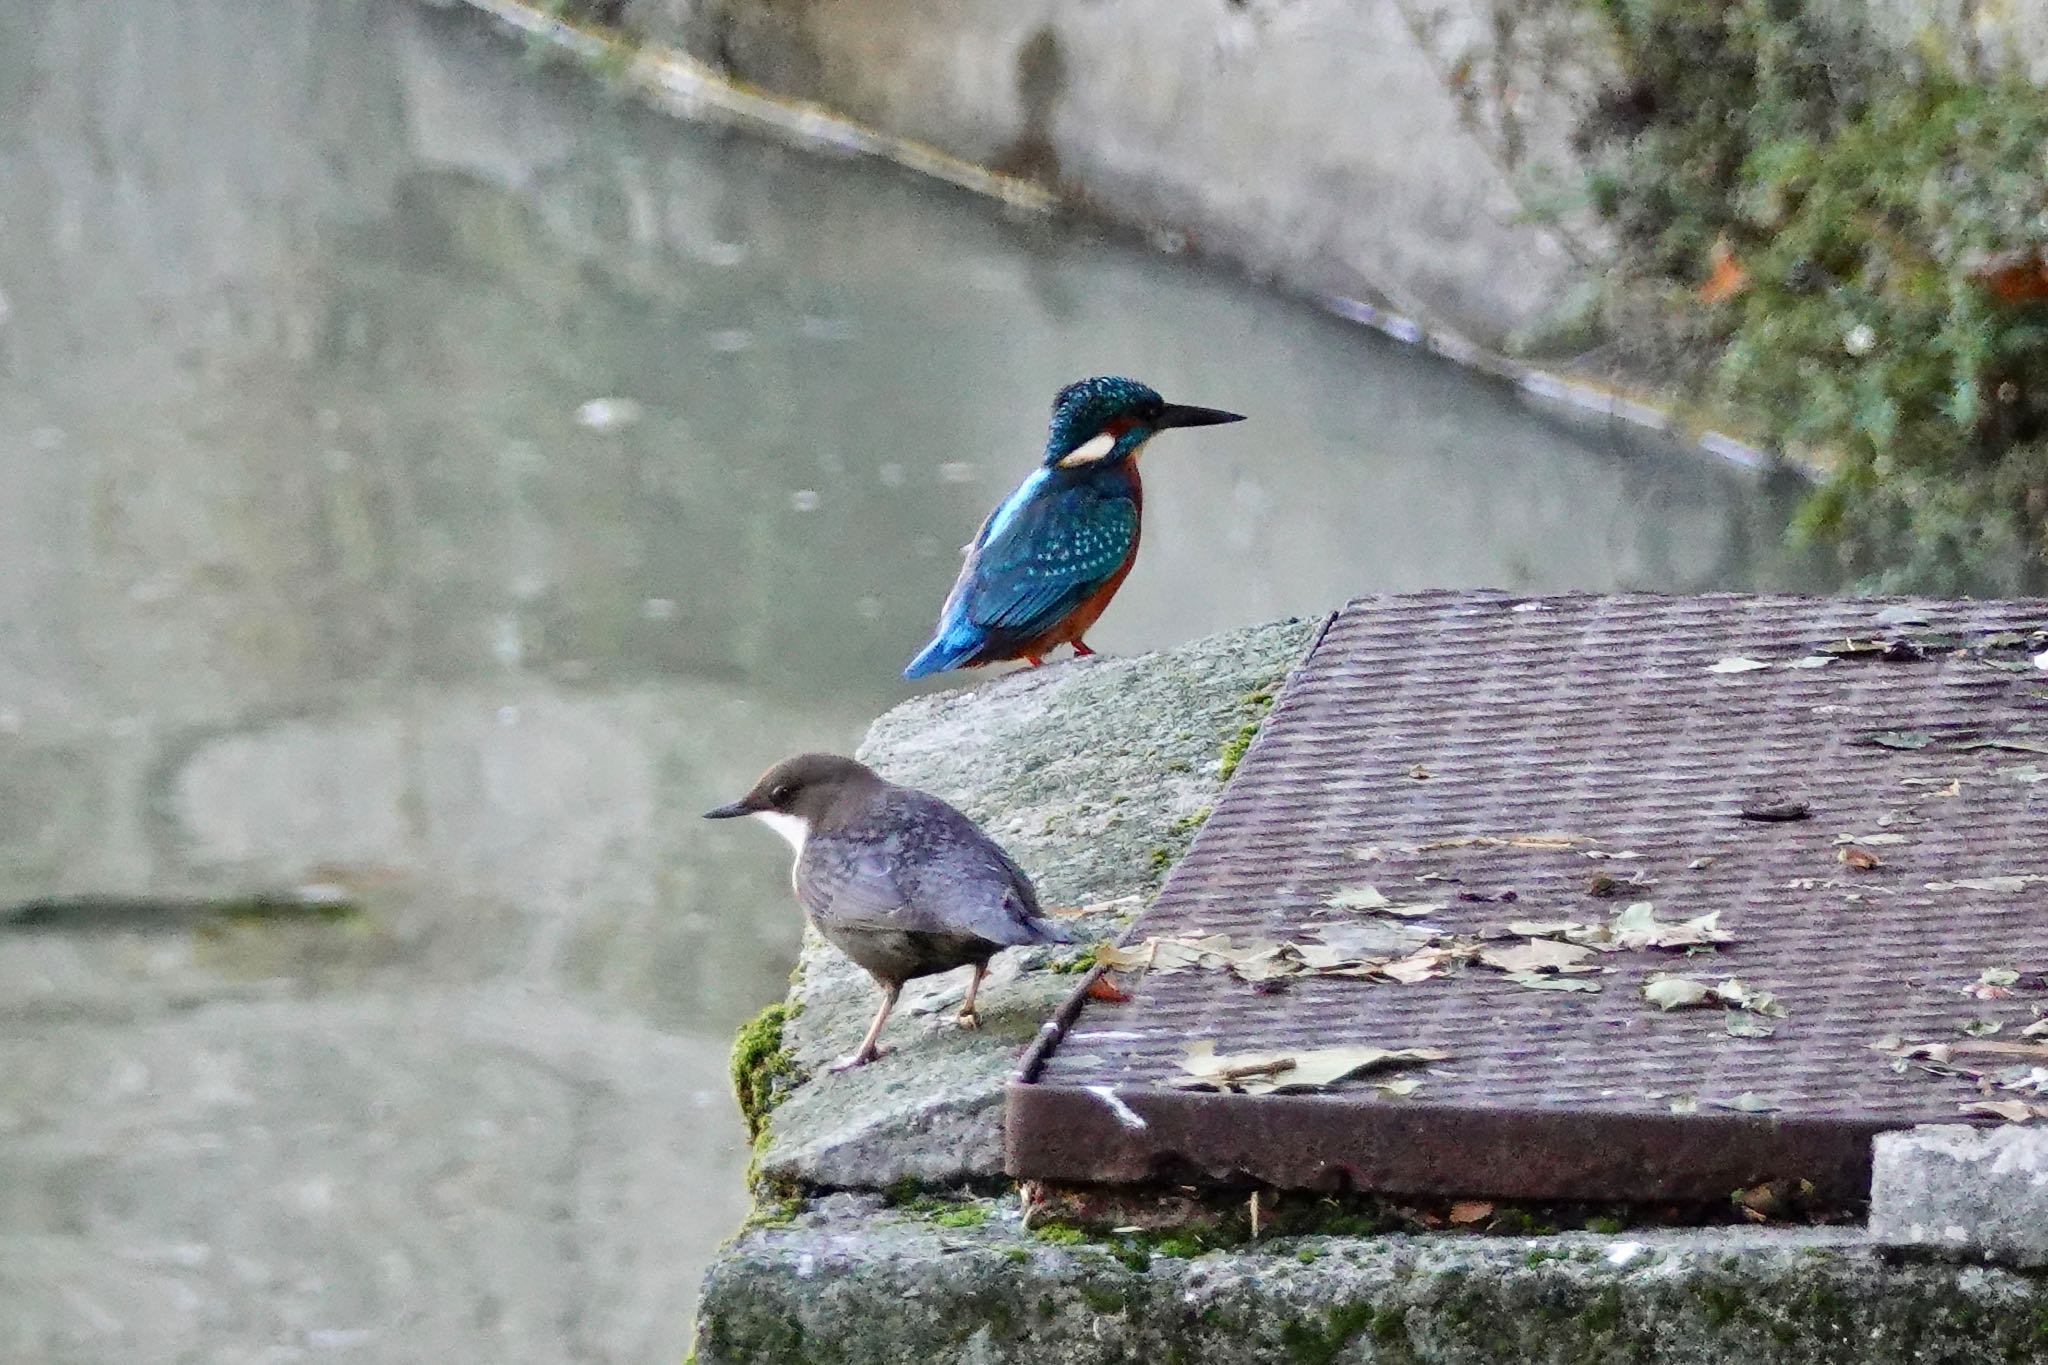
(1034,660)
(1081,650)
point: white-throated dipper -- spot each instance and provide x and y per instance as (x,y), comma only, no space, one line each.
(895,878)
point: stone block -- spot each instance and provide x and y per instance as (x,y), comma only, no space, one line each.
(1978,1192)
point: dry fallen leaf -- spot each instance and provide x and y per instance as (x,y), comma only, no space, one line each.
(1726,278)
(1419,966)
(1871,840)
(1635,926)
(1537,955)
(1862,859)
(2010,744)
(1544,928)
(2013,276)
(1357,939)
(1356,898)
(2006,884)
(1466,1212)
(1737,665)
(1683,992)
(1168,955)
(2012,1111)
(1675,992)
(1106,989)
(1268,1073)
(1534,841)
(1369,900)
(1537,981)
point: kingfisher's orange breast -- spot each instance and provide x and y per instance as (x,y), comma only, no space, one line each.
(1076,622)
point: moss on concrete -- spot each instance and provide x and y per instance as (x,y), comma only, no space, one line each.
(856,1282)
(762,1070)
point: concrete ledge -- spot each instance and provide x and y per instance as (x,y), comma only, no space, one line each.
(855,1282)
(1979,1192)
(1094,774)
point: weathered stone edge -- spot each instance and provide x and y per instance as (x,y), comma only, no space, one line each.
(1964,1191)
(853,1281)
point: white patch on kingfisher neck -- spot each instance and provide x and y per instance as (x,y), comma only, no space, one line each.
(1089,451)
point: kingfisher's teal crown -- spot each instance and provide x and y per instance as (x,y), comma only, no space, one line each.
(1082,409)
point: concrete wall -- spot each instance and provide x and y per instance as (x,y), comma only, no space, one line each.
(1417,154)
(1401,151)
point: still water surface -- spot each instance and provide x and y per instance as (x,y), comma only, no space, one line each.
(318,565)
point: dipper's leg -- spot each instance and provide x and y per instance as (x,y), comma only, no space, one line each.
(868,1051)
(967,1018)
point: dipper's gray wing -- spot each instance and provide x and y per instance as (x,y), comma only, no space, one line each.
(916,865)
(966,869)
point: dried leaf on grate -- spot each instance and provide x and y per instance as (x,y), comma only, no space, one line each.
(1537,955)
(1635,927)
(1369,900)
(1683,992)
(1269,1073)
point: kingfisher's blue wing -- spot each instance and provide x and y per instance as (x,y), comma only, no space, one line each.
(1042,556)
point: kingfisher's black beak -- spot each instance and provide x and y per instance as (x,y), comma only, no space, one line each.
(1182,415)
(731,810)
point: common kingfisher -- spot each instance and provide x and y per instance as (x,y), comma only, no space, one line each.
(1048,559)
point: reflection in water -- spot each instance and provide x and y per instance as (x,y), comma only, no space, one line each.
(441,482)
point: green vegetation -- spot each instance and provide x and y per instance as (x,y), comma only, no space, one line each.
(762,1072)
(1072,963)
(1318,1343)
(964,1216)
(1849,249)
(1235,747)
(1259,702)
(1060,1234)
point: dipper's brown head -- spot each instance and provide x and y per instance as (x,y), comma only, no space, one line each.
(798,794)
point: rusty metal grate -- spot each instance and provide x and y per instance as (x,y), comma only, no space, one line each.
(1599,717)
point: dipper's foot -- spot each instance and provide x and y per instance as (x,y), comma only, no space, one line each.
(854,1059)
(967,1017)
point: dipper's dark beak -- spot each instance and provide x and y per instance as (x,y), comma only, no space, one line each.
(730,811)
(1182,415)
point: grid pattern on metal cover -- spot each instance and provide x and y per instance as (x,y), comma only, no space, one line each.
(1421,720)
